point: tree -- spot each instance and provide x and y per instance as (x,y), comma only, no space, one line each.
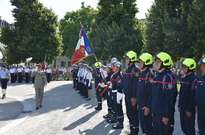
(167,28)
(70,26)
(115,28)
(35,32)
(197,26)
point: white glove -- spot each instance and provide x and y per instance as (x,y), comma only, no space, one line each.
(102,85)
(119,97)
(109,84)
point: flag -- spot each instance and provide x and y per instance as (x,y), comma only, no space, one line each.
(82,49)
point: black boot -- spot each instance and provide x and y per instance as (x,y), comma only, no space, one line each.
(112,120)
(3,96)
(134,131)
(99,107)
(118,125)
(107,116)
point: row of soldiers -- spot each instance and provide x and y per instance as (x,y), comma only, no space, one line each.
(82,79)
(21,73)
(150,90)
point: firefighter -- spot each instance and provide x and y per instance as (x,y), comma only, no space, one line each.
(164,93)
(144,93)
(200,94)
(130,79)
(186,96)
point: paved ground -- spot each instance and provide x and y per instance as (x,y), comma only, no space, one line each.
(64,113)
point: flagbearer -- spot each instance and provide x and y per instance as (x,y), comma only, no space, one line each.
(144,93)
(99,84)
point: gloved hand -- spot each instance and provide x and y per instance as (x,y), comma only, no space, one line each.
(119,97)
(109,84)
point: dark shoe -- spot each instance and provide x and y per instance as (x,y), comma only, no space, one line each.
(98,108)
(40,106)
(3,96)
(112,120)
(107,116)
(118,126)
(134,131)
(37,108)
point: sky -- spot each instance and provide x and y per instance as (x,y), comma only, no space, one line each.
(60,7)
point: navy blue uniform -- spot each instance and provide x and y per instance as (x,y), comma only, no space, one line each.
(130,80)
(164,93)
(98,79)
(116,80)
(200,103)
(144,94)
(187,104)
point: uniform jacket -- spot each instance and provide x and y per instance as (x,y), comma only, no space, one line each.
(40,80)
(186,94)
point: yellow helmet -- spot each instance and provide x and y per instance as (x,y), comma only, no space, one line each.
(98,64)
(132,56)
(189,63)
(165,58)
(202,60)
(146,58)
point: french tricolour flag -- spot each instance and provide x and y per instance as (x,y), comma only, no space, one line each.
(82,49)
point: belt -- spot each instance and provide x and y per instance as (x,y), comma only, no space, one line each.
(114,91)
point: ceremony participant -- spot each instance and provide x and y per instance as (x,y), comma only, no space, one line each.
(164,91)
(27,73)
(39,83)
(4,76)
(200,95)
(49,74)
(144,93)
(13,75)
(20,74)
(186,96)
(130,79)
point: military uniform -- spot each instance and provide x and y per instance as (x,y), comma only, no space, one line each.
(39,84)
(49,74)
(27,72)
(20,74)
(13,74)
(4,76)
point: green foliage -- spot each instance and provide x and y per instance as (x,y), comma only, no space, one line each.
(115,30)
(35,33)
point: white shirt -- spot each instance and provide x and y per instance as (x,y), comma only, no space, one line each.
(12,70)
(19,70)
(27,70)
(48,70)
(4,74)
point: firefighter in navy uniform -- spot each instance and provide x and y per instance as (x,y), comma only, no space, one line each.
(186,96)
(130,79)
(199,97)
(98,80)
(164,93)
(116,86)
(108,94)
(144,93)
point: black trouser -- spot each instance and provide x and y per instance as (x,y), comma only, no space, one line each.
(48,76)
(75,81)
(187,124)
(132,114)
(201,125)
(145,122)
(159,128)
(4,83)
(98,96)
(117,107)
(20,77)
(13,78)
(27,75)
